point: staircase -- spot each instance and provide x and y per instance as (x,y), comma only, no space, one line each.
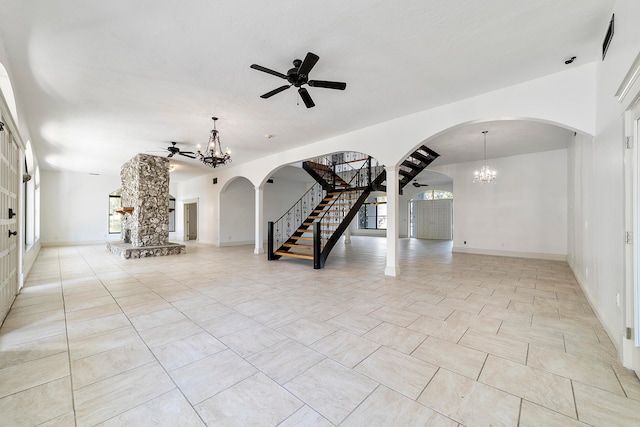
(415,163)
(325,175)
(311,228)
(331,212)
(313,225)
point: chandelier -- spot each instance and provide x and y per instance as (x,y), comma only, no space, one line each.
(485,174)
(213,155)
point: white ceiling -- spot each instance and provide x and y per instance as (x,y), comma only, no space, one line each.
(99,81)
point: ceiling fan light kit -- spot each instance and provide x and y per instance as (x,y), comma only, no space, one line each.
(299,76)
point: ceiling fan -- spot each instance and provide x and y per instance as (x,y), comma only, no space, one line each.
(173,150)
(298,76)
(418,185)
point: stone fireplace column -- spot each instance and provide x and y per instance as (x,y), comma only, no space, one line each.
(145,188)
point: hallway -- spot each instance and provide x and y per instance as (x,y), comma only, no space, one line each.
(224,337)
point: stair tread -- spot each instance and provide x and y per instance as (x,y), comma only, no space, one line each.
(294,255)
(422,157)
(412,165)
(298,245)
(304,238)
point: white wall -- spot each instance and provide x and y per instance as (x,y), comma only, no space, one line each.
(596,250)
(580,241)
(202,190)
(523,213)
(75,207)
(237,213)
(280,196)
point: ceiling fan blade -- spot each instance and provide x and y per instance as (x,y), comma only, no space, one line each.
(306,98)
(188,154)
(275,91)
(268,71)
(326,84)
(170,155)
(308,63)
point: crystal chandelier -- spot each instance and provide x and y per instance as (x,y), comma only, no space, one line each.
(213,156)
(485,174)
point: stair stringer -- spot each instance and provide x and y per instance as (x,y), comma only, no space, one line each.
(315,175)
(346,221)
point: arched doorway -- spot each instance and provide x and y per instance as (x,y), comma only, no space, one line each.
(237,213)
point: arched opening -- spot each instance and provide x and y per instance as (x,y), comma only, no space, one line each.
(530,192)
(237,212)
(318,212)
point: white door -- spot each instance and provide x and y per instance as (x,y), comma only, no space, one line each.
(433,219)
(631,343)
(9,186)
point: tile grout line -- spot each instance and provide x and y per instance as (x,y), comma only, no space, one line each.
(66,330)
(148,348)
(156,361)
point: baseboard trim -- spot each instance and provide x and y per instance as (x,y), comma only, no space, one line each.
(246,242)
(513,254)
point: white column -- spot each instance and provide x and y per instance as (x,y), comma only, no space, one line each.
(347,235)
(392,221)
(259,249)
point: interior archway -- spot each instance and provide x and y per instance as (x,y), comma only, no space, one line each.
(530,192)
(237,212)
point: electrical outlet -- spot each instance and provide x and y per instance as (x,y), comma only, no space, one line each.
(618,299)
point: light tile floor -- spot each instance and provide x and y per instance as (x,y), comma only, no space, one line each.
(225,337)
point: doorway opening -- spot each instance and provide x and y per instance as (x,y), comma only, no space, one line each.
(190,221)
(431,215)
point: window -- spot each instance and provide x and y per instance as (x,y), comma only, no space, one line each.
(115,219)
(172,213)
(433,195)
(29,190)
(36,182)
(373,214)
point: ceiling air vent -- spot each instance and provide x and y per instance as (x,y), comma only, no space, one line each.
(607,37)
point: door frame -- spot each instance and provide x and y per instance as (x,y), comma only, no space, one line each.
(631,306)
(185,218)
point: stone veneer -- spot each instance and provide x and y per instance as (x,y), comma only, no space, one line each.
(126,251)
(145,188)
